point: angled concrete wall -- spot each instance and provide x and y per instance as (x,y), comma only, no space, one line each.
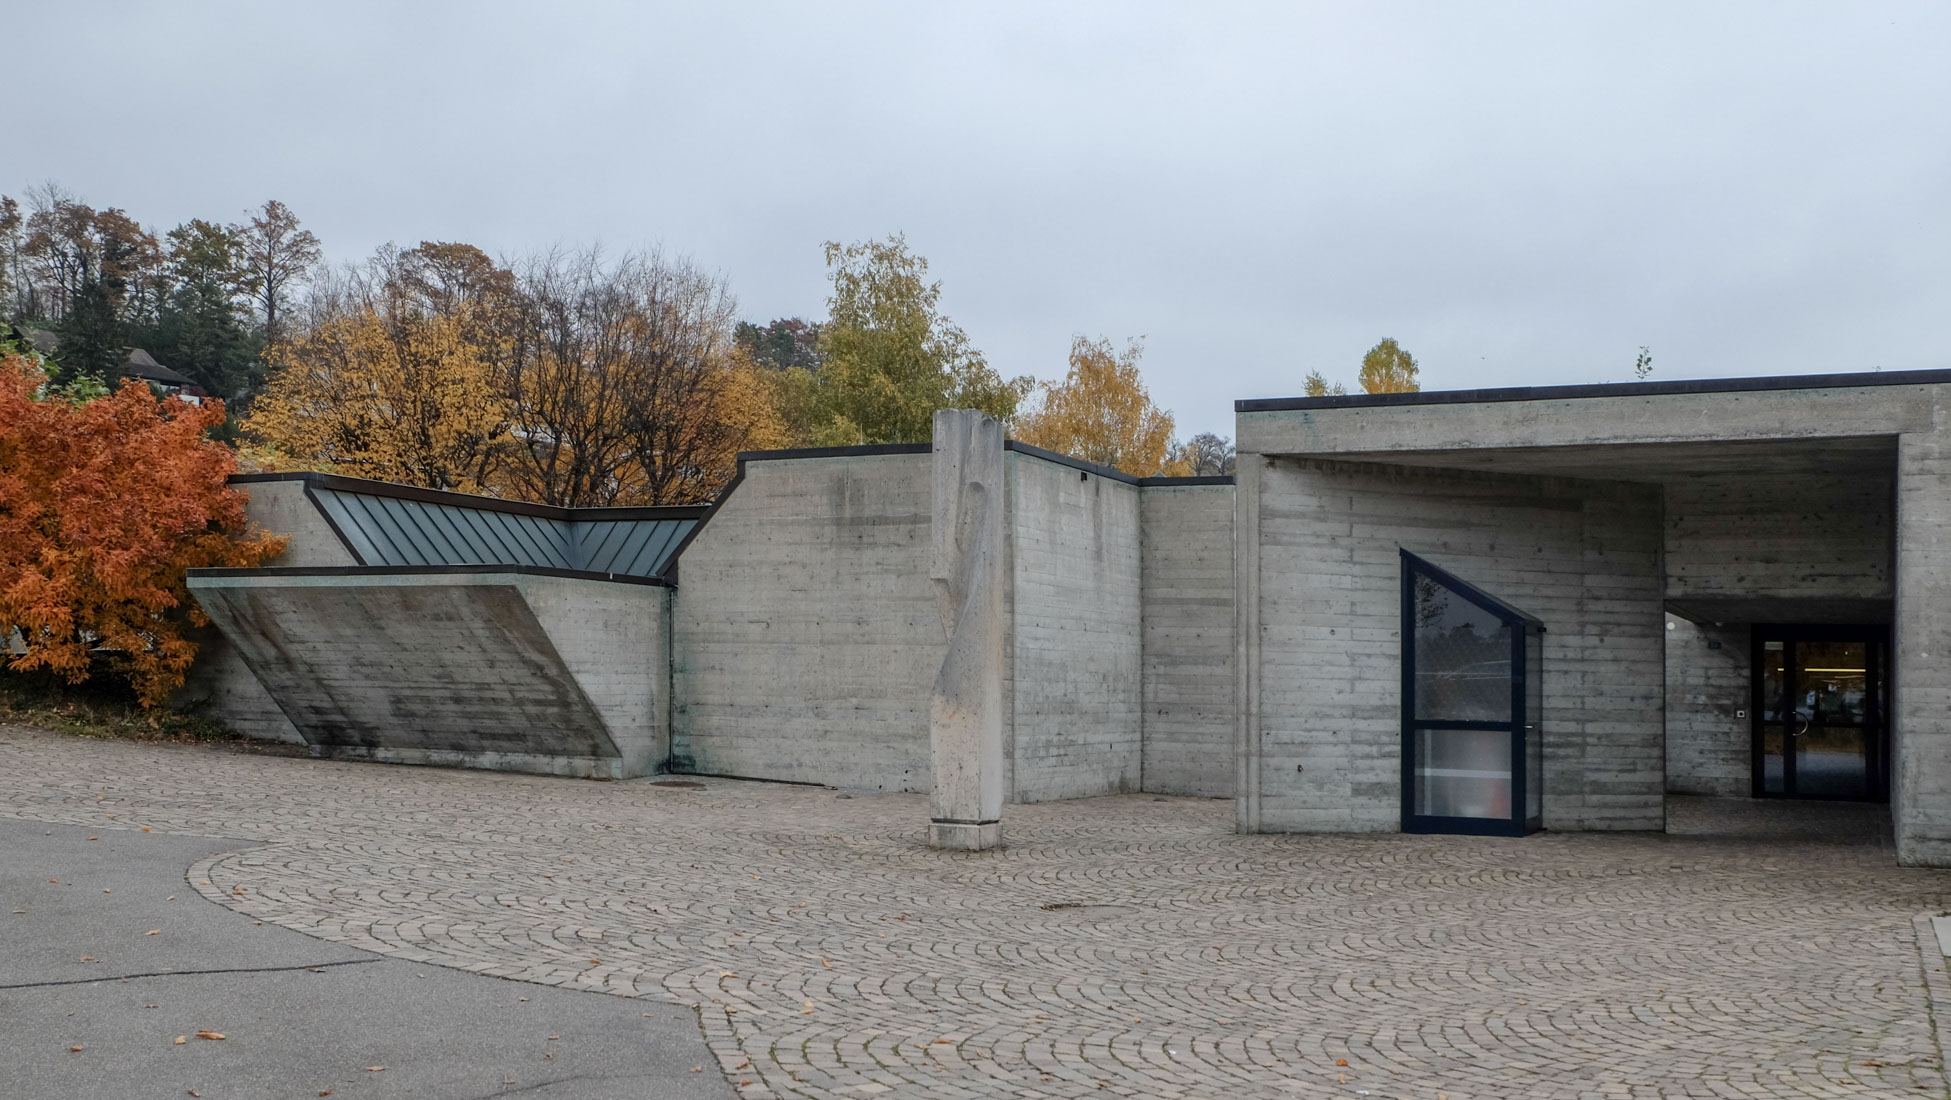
(1320,589)
(1186,559)
(805,630)
(1074,643)
(499,670)
(220,685)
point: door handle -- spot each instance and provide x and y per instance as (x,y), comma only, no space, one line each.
(1804,728)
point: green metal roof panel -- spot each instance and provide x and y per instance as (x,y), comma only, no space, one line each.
(389,530)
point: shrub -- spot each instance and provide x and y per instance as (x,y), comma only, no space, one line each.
(105,501)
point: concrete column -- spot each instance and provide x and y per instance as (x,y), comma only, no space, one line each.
(1246,639)
(1921,644)
(965,715)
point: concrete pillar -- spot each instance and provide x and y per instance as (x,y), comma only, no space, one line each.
(965,716)
(1921,644)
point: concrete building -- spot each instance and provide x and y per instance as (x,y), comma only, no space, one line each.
(1742,586)
(1485,611)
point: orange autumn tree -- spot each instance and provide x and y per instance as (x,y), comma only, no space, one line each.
(103,505)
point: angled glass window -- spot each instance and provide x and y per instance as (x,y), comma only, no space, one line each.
(1472,757)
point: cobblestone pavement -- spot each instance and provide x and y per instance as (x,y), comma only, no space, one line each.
(1132,946)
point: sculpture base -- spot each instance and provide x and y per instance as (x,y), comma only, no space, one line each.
(965,836)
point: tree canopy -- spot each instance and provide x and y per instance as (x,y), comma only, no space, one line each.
(1101,413)
(1387,368)
(889,358)
(103,505)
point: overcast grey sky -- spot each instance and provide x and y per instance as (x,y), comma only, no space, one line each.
(1519,193)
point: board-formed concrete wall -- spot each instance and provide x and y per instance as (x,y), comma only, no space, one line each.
(805,631)
(1921,641)
(1073,642)
(1322,633)
(488,668)
(1803,537)
(1189,678)
(220,685)
(1709,736)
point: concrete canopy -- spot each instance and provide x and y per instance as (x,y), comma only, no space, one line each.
(1809,499)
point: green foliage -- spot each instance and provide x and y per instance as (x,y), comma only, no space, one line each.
(786,342)
(1643,365)
(91,339)
(889,358)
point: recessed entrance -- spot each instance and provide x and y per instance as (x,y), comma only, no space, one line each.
(1820,704)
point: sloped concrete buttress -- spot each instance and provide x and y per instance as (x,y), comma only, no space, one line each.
(965,715)
(546,675)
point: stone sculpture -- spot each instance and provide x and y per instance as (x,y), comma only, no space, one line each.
(965,716)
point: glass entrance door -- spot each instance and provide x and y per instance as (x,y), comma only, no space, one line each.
(1472,756)
(1820,701)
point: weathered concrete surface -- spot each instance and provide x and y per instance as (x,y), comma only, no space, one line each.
(1186,539)
(966,568)
(299,1015)
(1921,642)
(220,685)
(1789,535)
(1709,731)
(1716,419)
(1075,648)
(805,630)
(1322,574)
(492,670)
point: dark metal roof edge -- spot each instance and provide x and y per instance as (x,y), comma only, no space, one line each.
(1603,389)
(369,487)
(1171,482)
(1065,460)
(423,570)
(326,514)
(869,450)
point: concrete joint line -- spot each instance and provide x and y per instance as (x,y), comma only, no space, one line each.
(192,973)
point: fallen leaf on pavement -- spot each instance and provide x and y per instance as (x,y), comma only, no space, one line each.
(374,1069)
(154,932)
(74,1050)
(1341,1061)
(181,1039)
(697,1069)
(206,1033)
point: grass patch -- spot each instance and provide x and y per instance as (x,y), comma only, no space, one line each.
(101,707)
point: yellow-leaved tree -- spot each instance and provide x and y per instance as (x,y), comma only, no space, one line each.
(1387,368)
(405,398)
(1101,413)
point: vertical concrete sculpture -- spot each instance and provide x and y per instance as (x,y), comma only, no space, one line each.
(965,717)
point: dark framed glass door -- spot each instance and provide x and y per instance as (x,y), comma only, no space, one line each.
(1472,689)
(1821,696)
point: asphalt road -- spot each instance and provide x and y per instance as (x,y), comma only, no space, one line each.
(80,968)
